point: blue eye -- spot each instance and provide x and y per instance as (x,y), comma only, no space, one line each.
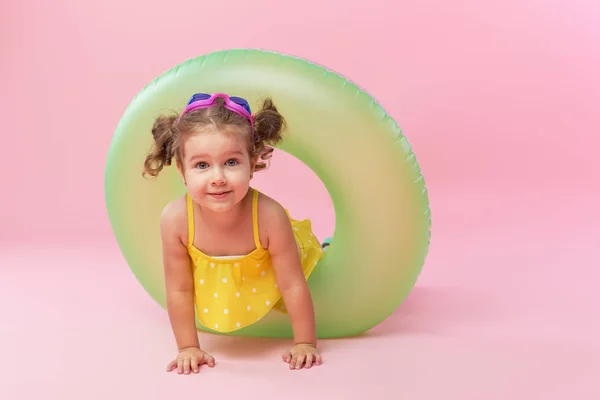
(202,165)
(232,162)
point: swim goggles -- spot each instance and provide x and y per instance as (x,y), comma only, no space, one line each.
(235,104)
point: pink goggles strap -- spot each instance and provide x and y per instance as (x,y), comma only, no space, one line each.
(230,105)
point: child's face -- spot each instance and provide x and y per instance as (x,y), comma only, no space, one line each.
(217,168)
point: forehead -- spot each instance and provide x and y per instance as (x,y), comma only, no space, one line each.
(214,143)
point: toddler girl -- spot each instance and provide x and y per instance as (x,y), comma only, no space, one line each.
(230,253)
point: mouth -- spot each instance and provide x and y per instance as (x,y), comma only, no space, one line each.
(220,194)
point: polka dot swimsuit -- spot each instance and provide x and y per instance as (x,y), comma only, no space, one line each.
(233,292)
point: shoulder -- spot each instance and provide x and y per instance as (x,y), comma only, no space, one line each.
(270,211)
(173,219)
(273,219)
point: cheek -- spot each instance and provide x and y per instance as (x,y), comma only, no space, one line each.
(196,179)
(238,176)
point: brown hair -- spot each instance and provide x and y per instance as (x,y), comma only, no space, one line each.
(169,133)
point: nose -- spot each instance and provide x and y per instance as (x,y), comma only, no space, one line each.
(218,177)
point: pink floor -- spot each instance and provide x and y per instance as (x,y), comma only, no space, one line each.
(490,93)
(506,308)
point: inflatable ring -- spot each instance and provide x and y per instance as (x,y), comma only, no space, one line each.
(358,151)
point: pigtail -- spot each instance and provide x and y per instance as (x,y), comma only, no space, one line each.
(269,125)
(162,152)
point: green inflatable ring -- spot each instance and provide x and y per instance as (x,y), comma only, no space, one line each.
(339,131)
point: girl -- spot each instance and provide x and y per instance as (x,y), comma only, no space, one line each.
(230,253)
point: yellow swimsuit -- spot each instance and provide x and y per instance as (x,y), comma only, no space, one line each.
(232,292)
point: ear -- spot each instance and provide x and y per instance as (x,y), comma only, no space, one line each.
(253,162)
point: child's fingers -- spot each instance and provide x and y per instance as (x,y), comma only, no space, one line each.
(318,359)
(209,360)
(180,366)
(287,357)
(186,366)
(194,363)
(171,366)
(299,361)
(309,360)
(293,361)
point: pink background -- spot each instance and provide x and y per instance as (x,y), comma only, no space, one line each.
(500,101)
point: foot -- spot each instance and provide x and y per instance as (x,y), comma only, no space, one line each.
(326,243)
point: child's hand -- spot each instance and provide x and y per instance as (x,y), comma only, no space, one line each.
(302,355)
(190,359)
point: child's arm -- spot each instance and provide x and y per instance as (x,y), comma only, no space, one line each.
(290,276)
(178,278)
